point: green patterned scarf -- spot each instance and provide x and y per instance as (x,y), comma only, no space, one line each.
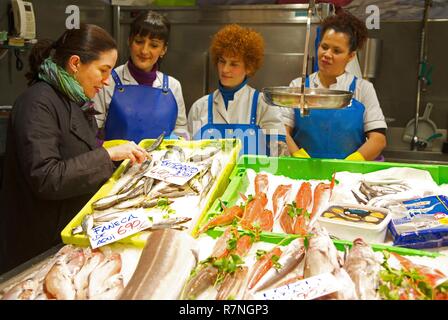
(60,79)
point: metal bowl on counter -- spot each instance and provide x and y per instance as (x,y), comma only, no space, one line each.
(290,97)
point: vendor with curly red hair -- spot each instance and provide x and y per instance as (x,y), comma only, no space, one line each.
(357,132)
(235,109)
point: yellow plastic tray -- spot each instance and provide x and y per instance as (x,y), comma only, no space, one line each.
(139,239)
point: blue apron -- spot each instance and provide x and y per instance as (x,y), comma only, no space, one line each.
(139,112)
(331,133)
(252,137)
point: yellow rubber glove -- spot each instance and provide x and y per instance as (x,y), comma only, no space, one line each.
(112,143)
(301,153)
(356,156)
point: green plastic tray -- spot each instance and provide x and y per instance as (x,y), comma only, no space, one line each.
(284,239)
(306,169)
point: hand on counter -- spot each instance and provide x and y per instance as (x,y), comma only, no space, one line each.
(128,150)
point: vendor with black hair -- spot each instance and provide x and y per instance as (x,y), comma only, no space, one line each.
(357,132)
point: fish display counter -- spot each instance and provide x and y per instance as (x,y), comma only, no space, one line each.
(175,200)
(260,238)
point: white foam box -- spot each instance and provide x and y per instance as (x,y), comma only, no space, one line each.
(350,230)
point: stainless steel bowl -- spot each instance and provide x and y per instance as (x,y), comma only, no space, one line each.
(289,97)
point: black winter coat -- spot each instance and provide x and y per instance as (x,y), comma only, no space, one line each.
(52,167)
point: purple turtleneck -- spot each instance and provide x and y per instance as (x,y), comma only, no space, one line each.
(143,77)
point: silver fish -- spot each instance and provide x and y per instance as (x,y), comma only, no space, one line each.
(169,223)
(86,225)
(112,288)
(164,266)
(201,155)
(112,200)
(156,143)
(149,149)
(174,153)
(98,278)
(81,279)
(291,257)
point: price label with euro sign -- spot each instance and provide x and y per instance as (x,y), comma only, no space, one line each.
(128,224)
(174,172)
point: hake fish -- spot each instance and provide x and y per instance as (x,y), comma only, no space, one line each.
(164,266)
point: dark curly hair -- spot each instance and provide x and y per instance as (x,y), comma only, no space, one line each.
(236,41)
(350,25)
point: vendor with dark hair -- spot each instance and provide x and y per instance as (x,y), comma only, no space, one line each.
(53,164)
(142,102)
(357,132)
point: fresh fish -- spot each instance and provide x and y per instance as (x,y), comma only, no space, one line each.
(321,197)
(112,200)
(113,287)
(207,182)
(364,270)
(202,155)
(109,216)
(148,185)
(177,194)
(279,198)
(262,266)
(133,180)
(227,217)
(24,290)
(98,277)
(163,268)
(169,223)
(86,225)
(174,153)
(154,202)
(261,183)
(347,290)
(149,149)
(233,284)
(203,279)
(81,279)
(321,255)
(131,203)
(59,280)
(433,276)
(292,255)
(156,143)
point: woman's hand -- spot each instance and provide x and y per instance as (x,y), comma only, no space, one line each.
(129,151)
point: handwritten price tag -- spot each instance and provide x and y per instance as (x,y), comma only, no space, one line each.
(306,289)
(173,172)
(122,227)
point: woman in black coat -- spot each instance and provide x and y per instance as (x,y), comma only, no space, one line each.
(54,163)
